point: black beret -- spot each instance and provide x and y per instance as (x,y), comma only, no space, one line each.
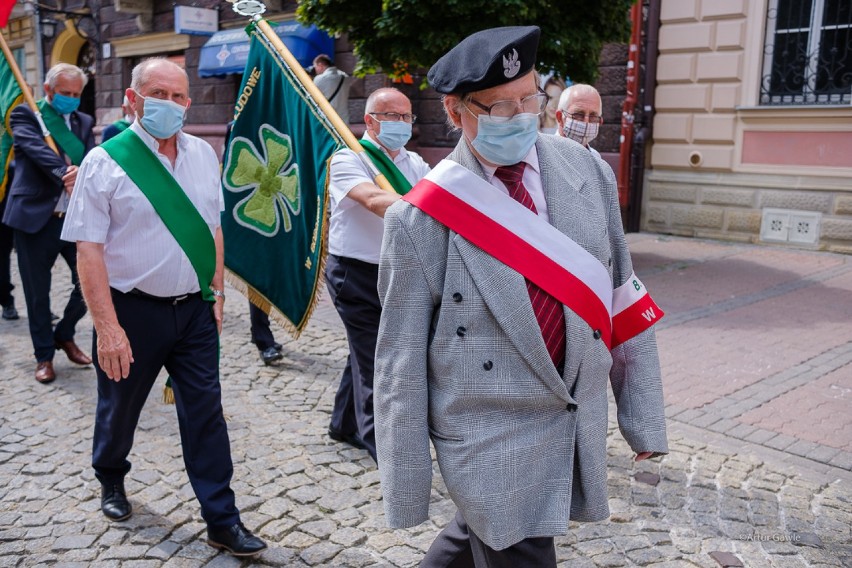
(486,59)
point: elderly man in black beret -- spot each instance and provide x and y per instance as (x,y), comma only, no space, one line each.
(508,302)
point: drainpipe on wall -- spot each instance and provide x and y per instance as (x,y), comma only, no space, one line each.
(629,107)
(644,136)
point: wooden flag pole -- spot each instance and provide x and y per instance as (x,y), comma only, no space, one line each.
(25,90)
(320,100)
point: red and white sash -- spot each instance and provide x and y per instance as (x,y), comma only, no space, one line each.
(517,237)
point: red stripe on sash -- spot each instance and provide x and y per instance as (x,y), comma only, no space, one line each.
(513,251)
(635,319)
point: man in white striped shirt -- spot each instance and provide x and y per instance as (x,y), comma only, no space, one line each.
(154,280)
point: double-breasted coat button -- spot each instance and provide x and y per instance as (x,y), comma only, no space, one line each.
(487,365)
(597,334)
(457,297)
(461,331)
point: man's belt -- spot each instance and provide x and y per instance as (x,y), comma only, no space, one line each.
(171,203)
(174,300)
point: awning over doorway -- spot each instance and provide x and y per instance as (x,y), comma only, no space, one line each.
(226,52)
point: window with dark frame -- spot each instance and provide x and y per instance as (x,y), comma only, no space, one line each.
(807,53)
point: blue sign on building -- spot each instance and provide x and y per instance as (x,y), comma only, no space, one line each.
(226,52)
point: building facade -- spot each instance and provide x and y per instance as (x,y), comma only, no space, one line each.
(752,137)
(107,39)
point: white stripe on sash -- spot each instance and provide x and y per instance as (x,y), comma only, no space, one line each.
(516,218)
(525,242)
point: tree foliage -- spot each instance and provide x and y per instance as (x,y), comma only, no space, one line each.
(398,35)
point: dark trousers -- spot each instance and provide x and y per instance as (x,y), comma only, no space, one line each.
(458,547)
(182,338)
(352,285)
(261,334)
(6,239)
(37,253)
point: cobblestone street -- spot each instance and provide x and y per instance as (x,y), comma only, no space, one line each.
(756,349)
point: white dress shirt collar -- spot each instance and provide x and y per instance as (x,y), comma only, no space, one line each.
(152,143)
(532,181)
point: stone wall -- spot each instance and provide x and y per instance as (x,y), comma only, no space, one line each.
(721,164)
(729,206)
(212,98)
(612,85)
(699,76)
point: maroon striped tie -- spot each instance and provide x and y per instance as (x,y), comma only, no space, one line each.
(548,310)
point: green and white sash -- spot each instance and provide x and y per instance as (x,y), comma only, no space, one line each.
(385,165)
(170,202)
(121,124)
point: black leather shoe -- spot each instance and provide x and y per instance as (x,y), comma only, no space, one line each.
(9,312)
(278,347)
(270,355)
(114,503)
(351,439)
(237,540)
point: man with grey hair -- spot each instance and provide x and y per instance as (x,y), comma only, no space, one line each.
(354,242)
(36,207)
(578,114)
(508,303)
(146,219)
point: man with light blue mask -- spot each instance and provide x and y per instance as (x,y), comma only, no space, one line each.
(145,215)
(357,207)
(508,303)
(36,207)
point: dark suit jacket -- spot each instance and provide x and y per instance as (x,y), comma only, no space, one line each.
(38,169)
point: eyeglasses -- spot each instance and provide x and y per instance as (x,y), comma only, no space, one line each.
(533,104)
(581,117)
(396,117)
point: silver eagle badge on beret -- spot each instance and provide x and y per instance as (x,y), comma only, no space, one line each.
(511,64)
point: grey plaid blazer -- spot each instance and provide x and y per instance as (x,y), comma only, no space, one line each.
(460,360)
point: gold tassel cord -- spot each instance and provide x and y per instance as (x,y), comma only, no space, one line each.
(168,392)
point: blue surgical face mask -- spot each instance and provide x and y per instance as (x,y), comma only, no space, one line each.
(161,118)
(505,141)
(394,134)
(63,104)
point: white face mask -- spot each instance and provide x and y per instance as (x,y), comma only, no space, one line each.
(582,132)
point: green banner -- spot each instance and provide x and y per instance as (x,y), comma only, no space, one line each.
(274,176)
(10,96)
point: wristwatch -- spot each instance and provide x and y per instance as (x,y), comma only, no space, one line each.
(218,293)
